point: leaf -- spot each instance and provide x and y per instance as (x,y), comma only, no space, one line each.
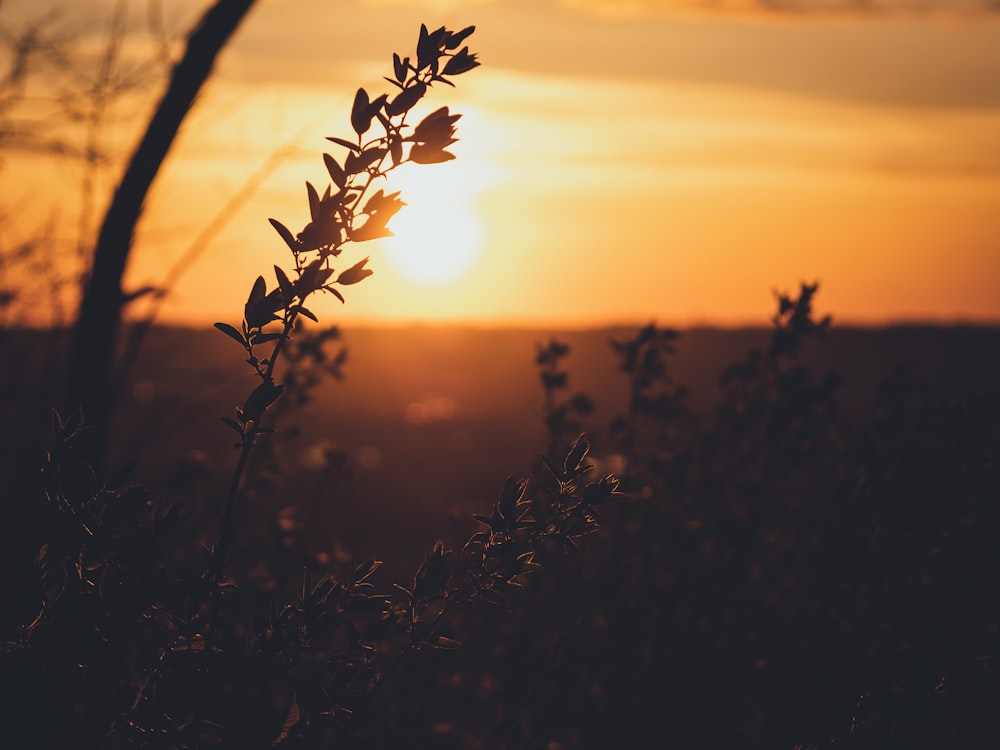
(344,142)
(315,206)
(432,575)
(460,63)
(373,229)
(423,47)
(424,154)
(335,293)
(360,119)
(371,206)
(556,474)
(400,67)
(258,291)
(355,273)
(485,520)
(364,110)
(364,570)
(232,333)
(233,425)
(576,455)
(312,278)
(337,173)
(285,235)
(457,37)
(357,163)
(262,397)
(602,491)
(284,284)
(263,312)
(513,493)
(445,643)
(382,204)
(437,127)
(406,99)
(307,313)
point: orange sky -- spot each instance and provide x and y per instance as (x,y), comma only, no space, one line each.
(616,166)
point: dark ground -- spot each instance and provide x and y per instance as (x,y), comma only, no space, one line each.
(848,599)
(474,402)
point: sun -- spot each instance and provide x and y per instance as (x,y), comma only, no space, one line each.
(437,235)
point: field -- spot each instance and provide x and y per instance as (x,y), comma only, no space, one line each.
(822,572)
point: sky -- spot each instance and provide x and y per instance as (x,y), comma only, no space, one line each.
(674,161)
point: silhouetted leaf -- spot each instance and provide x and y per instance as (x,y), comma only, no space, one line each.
(513,493)
(576,455)
(364,570)
(460,63)
(262,397)
(285,235)
(597,493)
(424,154)
(284,284)
(424,48)
(490,521)
(337,173)
(258,291)
(232,332)
(345,143)
(306,312)
(457,37)
(386,205)
(433,573)
(360,119)
(335,293)
(372,204)
(445,644)
(400,67)
(314,202)
(437,128)
(312,278)
(405,99)
(355,273)
(373,229)
(357,163)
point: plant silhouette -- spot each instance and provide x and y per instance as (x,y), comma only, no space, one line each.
(138,640)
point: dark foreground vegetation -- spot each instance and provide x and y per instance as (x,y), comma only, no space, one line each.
(790,561)
(802,559)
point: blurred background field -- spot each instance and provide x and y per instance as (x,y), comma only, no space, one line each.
(798,575)
(432,419)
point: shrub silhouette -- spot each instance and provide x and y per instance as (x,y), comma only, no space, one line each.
(138,639)
(784,575)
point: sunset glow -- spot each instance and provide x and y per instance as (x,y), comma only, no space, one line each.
(612,167)
(437,235)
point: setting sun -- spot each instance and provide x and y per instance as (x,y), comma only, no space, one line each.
(437,235)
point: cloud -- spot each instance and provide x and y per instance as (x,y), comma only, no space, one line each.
(783,9)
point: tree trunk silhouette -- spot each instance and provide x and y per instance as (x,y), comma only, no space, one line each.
(95,333)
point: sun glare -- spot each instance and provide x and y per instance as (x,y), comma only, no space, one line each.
(437,235)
